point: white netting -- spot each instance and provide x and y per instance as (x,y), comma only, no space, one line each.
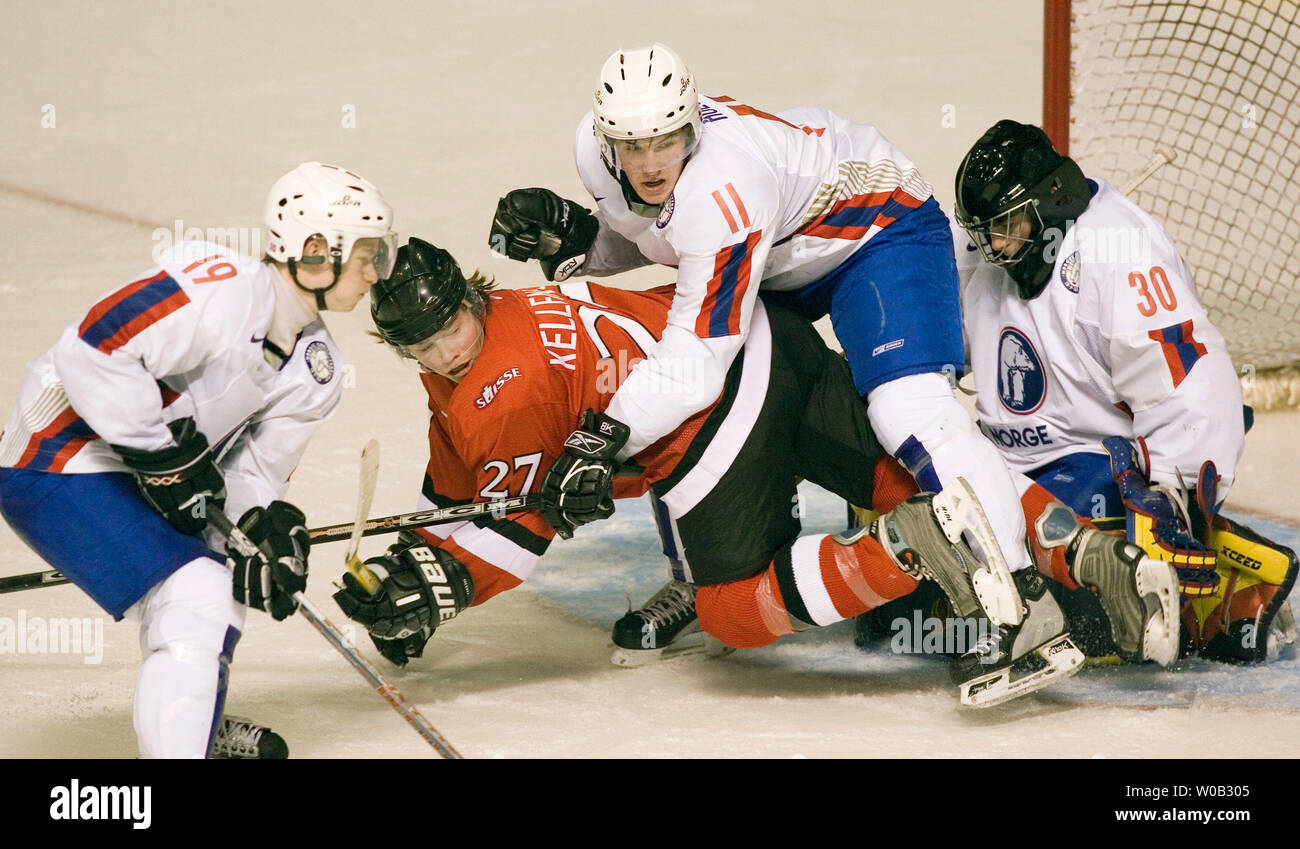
(1219,82)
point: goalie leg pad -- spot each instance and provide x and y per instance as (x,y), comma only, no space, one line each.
(1249,611)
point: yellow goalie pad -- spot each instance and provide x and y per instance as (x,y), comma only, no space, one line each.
(1256,575)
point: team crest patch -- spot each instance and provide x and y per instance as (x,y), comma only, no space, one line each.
(1070,272)
(665,214)
(1022,385)
(319,361)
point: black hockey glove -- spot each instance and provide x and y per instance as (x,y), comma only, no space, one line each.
(421,587)
(268,579)
(579,487)
(539,224)
(180,482)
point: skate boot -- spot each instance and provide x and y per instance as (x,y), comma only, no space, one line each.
(1014,660)
(666,627)
(1027,646)
(242,739)
(1138,593)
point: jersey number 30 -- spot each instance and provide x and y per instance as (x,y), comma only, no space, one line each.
(1163,291)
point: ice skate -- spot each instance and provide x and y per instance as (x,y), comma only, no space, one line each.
(1018,659)
(1139,594)
(936,536)
(242,739)
(666,627)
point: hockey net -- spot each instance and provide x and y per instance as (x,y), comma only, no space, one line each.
(1219,83)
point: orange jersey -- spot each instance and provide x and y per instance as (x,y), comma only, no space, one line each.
(549,354)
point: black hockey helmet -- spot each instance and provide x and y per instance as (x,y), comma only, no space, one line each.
(420,297)
(1014,169)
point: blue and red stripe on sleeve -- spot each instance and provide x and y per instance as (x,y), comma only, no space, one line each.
(123,315)
(732,272)
(852,217)
(1180,348)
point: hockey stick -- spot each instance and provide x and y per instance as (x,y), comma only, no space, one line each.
(245,546)
(365,495)
(497,508)
(1164,155)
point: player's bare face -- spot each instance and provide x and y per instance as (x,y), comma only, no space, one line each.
(653,165)
(356,277)
(1008,235)
(452,350)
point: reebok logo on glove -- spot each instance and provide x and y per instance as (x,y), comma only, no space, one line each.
(586,442)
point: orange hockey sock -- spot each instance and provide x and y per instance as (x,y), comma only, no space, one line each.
(816,581)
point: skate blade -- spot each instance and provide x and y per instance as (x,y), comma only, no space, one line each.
(1062,659)
(692,644)
(957,510)
(1160,636)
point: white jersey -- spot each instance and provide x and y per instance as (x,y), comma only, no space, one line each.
(765,201)
(1117,344)
(185,339)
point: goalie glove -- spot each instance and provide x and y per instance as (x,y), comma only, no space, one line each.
(1156,524)
(181,481)
(579,487)
(539,224)
(269,579)
(420,587)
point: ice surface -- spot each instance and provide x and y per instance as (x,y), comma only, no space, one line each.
(185,112)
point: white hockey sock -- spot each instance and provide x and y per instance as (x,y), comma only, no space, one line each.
(919,420)
(189,624)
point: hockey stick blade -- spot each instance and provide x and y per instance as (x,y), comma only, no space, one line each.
(242,544)
(365,496)
(498,508)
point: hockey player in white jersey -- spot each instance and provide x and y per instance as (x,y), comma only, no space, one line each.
(1109,340)
(826,217)
(196,385)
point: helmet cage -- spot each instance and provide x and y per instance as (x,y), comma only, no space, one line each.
(1007,226)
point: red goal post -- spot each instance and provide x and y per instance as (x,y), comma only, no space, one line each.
(1219,82)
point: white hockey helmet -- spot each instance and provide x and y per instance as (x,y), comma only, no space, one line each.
(644,93)
(318,199)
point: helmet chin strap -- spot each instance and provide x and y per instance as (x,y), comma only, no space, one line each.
(319,293)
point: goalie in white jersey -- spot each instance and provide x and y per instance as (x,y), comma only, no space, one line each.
(1083,324)
(825,216)
(196,385)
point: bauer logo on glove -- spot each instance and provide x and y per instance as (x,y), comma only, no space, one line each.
(420,587)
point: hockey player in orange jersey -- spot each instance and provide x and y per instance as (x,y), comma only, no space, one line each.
(509,373)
